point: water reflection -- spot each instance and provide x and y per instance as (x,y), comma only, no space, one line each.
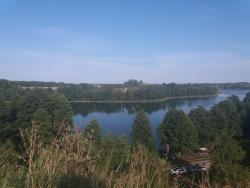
(185,104)
(118,118)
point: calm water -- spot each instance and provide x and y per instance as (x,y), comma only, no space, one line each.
(118,118)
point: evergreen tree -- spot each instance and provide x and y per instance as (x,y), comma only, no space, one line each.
(61,108)
(116,151)
(226,118)
(226,162)
(141,131)
(40,105)
(93,130)
(235,99)
(178,131)
(201,120)
(3,111)
(3,120)
(246,107)
(44,120)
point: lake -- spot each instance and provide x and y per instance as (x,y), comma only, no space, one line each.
(118,118)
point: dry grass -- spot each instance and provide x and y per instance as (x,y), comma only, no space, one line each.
(145,170)
(74,160)
(46,164)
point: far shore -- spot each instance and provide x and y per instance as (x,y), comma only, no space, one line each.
(143,101)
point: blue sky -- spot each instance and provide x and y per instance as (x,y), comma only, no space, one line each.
(112,41)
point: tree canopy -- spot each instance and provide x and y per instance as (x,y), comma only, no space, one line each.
(36,106)
(141,131)
(246,107)
(227,157)
(226,117)
(178,131)
(3,111)
(93,130)
(201,119)
(130,90)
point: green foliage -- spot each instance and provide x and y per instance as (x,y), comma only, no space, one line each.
(237,85)
(133,90)
(130,90)
(133,83)
(3,111)
(74,161)
(236,101)
(226,118)
(42,117)
(201,120)
(115,152)
(245,143)
(4,118)
(93,131)
(141,131)
(89,160)
(8,173)
(246,107)
(60,108)
(227,157)
(45,108)
(178,131)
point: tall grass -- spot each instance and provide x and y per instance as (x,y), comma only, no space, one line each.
(72,159)
(75,160)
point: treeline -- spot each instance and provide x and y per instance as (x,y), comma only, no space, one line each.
(140,92)
(237,85)
(7,83)
(131,90)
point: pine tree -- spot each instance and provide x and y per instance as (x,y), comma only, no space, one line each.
(3,120)
(43,119)
(201,120)
(226,118)
(178,131)
(226,162)
(93,130)
(3,111)
(141,131)
(246,106)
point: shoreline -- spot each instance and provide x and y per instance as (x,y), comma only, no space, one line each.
(143,101)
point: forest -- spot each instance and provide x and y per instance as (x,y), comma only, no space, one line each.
(139,92)
(130,90)
(41,148)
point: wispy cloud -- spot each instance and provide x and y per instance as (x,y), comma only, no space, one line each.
(73,42)
(67,56)
(183,67)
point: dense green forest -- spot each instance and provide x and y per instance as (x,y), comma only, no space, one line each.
(131,90)
(48,108)
(140,92)
(239,85)
(41,148)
